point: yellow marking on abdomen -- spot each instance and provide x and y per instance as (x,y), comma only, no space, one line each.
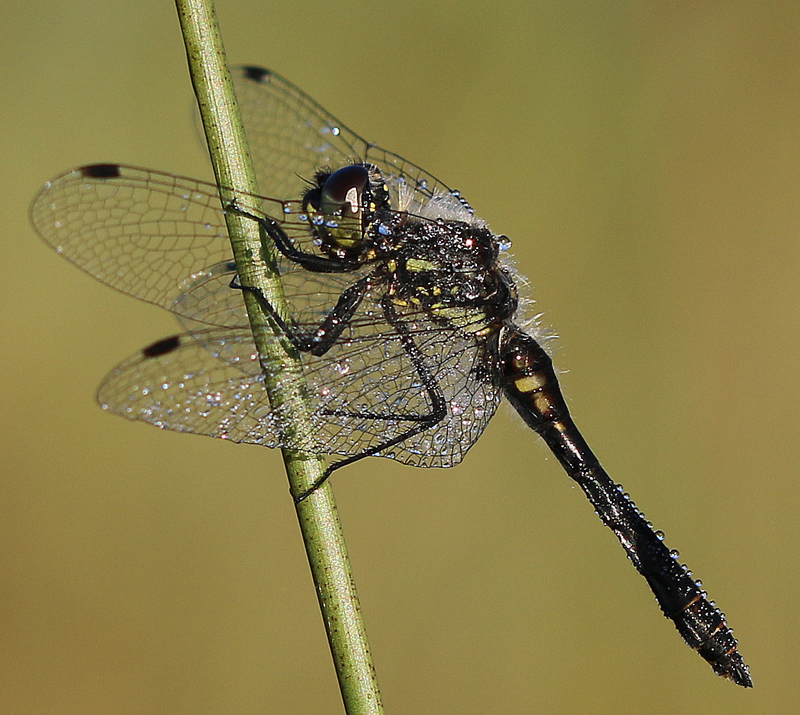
(530,383)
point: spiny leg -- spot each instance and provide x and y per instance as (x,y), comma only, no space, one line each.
(437,413)
(310,261)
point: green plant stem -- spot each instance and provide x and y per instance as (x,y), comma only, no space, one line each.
(317,514)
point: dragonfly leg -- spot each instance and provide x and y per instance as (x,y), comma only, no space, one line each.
(423,422)
(310,261)
(319,340)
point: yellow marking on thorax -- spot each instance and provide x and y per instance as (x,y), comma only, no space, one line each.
(420,264)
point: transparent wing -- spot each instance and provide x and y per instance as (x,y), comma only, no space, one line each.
(141,232)
(208,299)
(363,393)
(147,233)
(367,371)
(163,239)
(292,136)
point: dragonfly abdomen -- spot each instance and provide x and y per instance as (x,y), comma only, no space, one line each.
(530,384)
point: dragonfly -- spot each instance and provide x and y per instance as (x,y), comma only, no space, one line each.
(403,305)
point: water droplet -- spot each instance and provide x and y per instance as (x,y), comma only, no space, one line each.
(261,413)
(660,535)
(342,368)
(674,553)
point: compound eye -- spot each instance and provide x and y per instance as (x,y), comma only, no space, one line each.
(343,190)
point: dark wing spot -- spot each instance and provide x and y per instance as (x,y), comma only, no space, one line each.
(162,347)
(256,74)
(100,171)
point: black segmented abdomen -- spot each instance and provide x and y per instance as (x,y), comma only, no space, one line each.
(530,384)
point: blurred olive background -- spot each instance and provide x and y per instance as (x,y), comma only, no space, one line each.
(644,157)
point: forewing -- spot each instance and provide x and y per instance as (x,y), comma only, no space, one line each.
(292,136)
(147,233)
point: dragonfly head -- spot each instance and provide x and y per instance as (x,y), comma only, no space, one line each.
(341,206)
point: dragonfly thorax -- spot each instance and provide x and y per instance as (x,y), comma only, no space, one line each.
(451,270)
